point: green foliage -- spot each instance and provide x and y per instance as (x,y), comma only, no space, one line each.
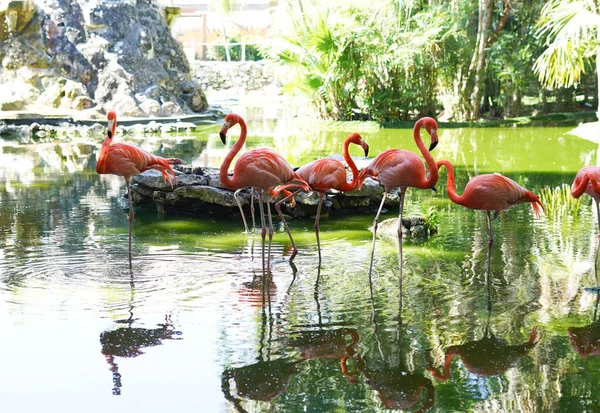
(571,31)
(218,53)
(559,203)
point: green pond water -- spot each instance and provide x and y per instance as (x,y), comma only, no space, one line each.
(194,326)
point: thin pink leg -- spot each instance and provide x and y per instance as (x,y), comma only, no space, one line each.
(375,223)
(598,244)
(268,205)
(321,196)
(278,208)
(252,208)
(236,195)
(263,232)
(400,263)
(490,241)
(130,216)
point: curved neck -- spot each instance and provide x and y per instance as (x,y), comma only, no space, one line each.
(577,191)
(223,177)
(100,165)
(433,170)
(457,199)
(352,184)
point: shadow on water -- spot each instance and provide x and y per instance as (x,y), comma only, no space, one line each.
(128,342)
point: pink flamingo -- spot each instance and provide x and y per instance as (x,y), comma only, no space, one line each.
(491,192)
(262,169)
(399,168)
(128,160)
(323,175)
(587,181)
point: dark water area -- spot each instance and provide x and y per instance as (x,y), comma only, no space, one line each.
(194,325)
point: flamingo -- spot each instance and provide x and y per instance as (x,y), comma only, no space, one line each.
(128,160)
(587,181)
(261,169)
(491,192)
(399,168)
(323,175)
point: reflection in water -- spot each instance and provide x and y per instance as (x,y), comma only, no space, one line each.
(265,379)
(398,387)
(320,341)
(585,341)
(488,356)
(129,341)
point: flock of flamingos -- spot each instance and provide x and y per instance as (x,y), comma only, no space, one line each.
(270,174)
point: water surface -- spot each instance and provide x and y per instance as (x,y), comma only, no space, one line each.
(194,326)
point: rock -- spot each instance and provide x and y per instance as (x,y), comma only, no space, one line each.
(150,107)
(416,227)
(199,192)
(101,53)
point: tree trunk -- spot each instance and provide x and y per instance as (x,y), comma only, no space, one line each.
(477,68)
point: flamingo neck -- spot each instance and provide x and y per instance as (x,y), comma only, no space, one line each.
(101,164)
(454,197)
(433,170)
(223,177)
(352,184)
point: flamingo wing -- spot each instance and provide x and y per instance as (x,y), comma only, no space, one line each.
(262,168)
(495,192)
(128,160)
(324,174)
(396,168)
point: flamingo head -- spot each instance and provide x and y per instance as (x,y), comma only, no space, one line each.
(431,127)
(112,123)
(230,120)
(356,139)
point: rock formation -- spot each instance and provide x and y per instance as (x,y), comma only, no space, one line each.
(102,54)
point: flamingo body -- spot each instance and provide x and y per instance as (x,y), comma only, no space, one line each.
(399,168)
(495,192)
(262,169)
(325,174)
(127,160)
(396,168)
(586,179)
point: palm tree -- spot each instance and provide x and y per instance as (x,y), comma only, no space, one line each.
(572,31)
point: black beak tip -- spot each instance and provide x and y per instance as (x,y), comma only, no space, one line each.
(434,189)
(432,146)
(367,151)
(223,137)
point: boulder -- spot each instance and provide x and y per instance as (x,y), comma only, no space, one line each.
(80,54)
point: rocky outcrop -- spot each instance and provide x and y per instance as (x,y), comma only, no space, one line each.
(81,54)
(250,75)
(199,193)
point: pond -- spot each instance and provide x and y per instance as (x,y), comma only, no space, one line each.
(194,326)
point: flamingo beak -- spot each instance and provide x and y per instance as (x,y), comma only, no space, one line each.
(434,140)
(434,189)
(111,126)
(366,149)
(223,132)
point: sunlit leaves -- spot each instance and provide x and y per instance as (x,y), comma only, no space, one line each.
(571,30)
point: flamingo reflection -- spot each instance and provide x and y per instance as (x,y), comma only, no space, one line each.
(397,386)
(320,340)
(585,340)
(265,379)
(129,341)
(490,355)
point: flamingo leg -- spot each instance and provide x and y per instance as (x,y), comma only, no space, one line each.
(252,208)
(278,208)
(375,222)
(598,244)
(268,206)
(402,194)
(490,242)
(236,195)
(130,215)
(263,231)
(321,196)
